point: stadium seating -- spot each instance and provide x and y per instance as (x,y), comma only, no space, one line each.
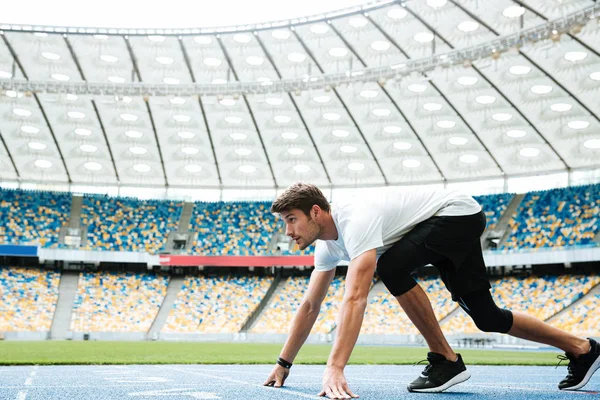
(117,302)
(216,304)
(384,316)
(236,228)
(556,218)
(494,206)
(128,224)
(277,317)
(32,217)
(583,318)
(29,298)
(541,297)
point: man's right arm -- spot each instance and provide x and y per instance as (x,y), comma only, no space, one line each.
(303,322)
(307,313)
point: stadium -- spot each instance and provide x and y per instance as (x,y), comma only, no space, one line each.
(140,157)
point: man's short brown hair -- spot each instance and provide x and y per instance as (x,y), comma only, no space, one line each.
(300,196)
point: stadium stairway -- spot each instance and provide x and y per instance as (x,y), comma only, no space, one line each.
(590,294)
(186,217)
(175,285)
(501,230)
(61,323)
(276,287)
(262,305)
(450,315)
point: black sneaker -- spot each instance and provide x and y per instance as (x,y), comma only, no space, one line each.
(440,374)
(580,369)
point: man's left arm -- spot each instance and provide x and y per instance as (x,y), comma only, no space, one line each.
(358,283)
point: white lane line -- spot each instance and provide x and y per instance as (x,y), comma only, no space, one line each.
(28,381)
(306,396)
(22,395)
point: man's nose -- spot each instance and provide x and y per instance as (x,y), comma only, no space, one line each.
(288,232)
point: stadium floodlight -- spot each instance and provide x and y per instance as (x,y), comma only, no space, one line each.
(501,117)
(30,129)
(289,135)
(380,45)
(138,150)
(247,169)
(21,112)
(397,13)
(356,166)
(274,101)
(445,124)
(331,116)
(529,152)
(485,99)
(282,119)
(592,144)
(403,146)
(578,125)
(88,148)
(340,133)
(92,166)
(295,151)
(519,69)
(411,163)
(134,134)
(193,168)
(516,133)
(43,164)
(381,112)
(392,129)
(82,132)
(423,37)
(142,168)
(561,107)
(541,89)
(469,158)
(458,140)
(36,146)
(432,106)
(301,168)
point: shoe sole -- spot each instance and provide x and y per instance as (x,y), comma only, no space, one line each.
(463,376)
(587,376)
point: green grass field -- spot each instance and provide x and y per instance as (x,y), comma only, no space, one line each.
(67,352)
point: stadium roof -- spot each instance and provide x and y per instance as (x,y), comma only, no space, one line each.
(384,94)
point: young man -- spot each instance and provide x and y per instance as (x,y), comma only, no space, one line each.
(395,233)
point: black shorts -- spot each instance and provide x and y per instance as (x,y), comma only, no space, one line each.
(451,244)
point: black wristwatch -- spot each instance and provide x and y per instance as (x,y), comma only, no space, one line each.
(283,363)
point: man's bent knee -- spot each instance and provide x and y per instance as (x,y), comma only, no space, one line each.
(396,281)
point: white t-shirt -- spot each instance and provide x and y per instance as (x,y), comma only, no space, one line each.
(379,221)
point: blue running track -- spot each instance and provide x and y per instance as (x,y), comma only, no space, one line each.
(237,382)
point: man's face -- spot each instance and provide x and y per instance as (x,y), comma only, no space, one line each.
(303,229)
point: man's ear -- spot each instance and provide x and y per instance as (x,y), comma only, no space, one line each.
(315,211)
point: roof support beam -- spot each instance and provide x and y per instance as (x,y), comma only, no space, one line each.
(76,60)
(147,101)
(226,54)
(493,86)
(10,157)
(37,100)
(334,90)
(312,140)
(192,75)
